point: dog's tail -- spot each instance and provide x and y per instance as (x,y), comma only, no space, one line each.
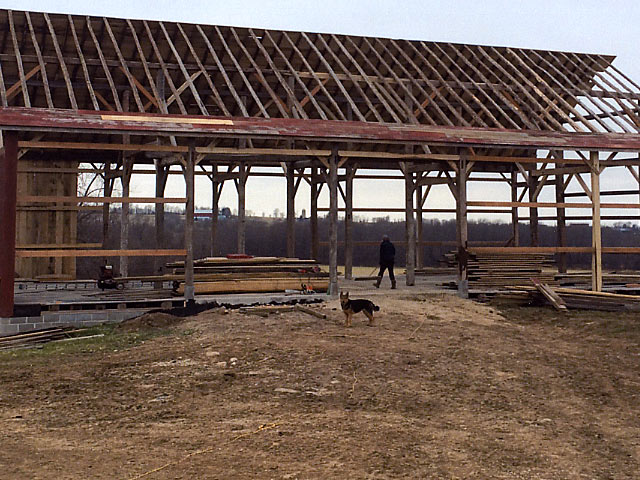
(376,308)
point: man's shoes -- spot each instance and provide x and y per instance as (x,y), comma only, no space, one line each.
(393,284)
(377,284)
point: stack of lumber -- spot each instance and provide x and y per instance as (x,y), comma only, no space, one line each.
(611,279)
(588,300)
(497,271)
(251,275)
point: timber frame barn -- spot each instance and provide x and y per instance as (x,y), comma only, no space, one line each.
(119,94)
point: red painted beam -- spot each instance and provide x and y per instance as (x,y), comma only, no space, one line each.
(8,186)
(33,119)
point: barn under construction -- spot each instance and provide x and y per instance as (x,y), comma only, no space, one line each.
(108,96)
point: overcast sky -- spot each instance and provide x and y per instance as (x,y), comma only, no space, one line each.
(590,26)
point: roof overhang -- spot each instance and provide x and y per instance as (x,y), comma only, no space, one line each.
(113,123)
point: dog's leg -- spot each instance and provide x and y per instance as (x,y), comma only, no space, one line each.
(347,322)
(369,315)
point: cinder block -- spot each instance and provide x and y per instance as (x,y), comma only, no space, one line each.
(8,329)
(27,327)
(18,320)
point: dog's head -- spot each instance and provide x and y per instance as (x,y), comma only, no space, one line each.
(344,298)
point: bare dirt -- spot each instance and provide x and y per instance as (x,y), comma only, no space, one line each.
(437,388)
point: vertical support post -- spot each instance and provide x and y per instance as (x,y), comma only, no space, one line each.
(215,207)
(348,223)
(162,174)
(126,181)
(124,215)
(242,220)
(410,227)
(462,228)
(419,232)
(315,191)
(333,223)
(561,232)
(189,290)
(108,190)
(596,258)
(533,211)
(291,210)
(8,192)
(515,221)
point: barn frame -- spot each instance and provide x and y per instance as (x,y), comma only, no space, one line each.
(315,108)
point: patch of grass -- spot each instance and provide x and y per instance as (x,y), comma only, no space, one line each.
(104,338)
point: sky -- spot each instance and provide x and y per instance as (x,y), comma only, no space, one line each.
(589,26)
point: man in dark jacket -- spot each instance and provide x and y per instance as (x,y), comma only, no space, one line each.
(387,258)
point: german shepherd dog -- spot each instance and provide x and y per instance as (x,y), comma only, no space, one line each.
(351,307)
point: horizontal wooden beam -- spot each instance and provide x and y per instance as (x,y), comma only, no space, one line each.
(49,246)
(551,205)
(84,121)
(54,199)
(99,253)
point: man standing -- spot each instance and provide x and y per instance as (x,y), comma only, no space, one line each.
(387,258)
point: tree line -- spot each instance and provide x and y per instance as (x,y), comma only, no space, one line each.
(266,236)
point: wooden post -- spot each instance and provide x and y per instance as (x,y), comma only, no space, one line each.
(533,211)
(419,233)
(291,210)
(124,215)
(410,228)
(126,181)
(461,228)
(561,232)
(162,173)
(315,192)
(189,291)
(108,190)
(242,221)
(348,223)
(596,258)
(514,211)
(8,192)
(333,224)
(215,208)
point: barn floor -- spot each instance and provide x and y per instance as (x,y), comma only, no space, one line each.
(439,387)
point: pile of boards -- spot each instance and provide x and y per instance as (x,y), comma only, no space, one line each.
(613,280)
(572,298)
(497,271)
(245,274)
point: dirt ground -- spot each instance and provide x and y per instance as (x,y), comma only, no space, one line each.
(437,388)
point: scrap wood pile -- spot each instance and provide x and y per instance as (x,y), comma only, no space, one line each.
(246,274)
(570,298)
(37,338)
(497,271)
